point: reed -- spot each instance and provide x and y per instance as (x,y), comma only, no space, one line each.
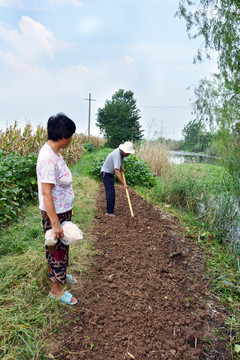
(209,192)
(156,154)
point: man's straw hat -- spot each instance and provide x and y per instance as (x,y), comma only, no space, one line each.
(127,147)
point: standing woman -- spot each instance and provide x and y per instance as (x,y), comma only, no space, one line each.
(56,199)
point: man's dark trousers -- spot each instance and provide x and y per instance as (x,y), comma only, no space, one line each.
(108,180)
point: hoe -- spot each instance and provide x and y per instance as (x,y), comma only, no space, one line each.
(128,198)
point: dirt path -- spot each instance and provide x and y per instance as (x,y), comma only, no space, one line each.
(145,297)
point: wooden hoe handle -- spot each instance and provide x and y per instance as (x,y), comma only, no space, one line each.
(128,197)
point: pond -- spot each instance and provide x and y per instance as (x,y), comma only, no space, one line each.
(180,157)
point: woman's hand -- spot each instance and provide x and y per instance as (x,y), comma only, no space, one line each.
(57,230)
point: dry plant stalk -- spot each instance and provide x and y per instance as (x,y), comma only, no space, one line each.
(156,155)
(27,141)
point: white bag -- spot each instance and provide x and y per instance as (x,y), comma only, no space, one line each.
(72,234)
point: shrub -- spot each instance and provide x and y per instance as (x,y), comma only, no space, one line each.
(89,147)
(98,162)
(137,171)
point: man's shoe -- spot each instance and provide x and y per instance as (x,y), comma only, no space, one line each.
(112,215)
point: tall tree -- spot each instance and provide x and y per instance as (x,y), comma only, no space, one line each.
(118,120)
(218,99)
(217,21)
(216,105)
(196,138)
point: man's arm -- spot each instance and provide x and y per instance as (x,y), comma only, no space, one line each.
(119,176)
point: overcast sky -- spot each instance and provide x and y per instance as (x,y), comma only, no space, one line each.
(53,53)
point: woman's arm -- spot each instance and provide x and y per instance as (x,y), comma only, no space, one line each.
(50,209)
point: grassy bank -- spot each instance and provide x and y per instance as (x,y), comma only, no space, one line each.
(25,309)
(186,191)
(206,190)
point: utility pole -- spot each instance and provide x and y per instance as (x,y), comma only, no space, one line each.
(133,128)
(89,112)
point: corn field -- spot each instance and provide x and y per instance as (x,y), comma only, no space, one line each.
(27,142)
(18,157)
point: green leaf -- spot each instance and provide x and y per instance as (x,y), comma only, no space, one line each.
(237,348)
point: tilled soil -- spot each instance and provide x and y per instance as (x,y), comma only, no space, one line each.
(146,295)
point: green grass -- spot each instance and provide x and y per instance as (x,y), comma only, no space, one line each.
(211,176)
(82,168)
(26,312)
(186,184)
(206,190)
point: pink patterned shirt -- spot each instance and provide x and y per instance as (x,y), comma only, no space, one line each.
(52,169)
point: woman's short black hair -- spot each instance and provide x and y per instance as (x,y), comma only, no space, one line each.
(60,126)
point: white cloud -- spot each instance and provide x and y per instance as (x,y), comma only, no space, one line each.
(75,3)
(128,58)
(89,25)
(55,3)
(36,83)
(23,83)
(113,73)
(162,1)
(71,79)
(39,4)
(36,93)
(32,42)
(165,52)
(8,58)
(12,3)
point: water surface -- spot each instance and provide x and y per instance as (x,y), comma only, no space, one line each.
(181,157)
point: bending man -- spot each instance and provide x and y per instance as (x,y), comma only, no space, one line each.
(111,166)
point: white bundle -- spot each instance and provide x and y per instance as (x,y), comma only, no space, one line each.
(72,234)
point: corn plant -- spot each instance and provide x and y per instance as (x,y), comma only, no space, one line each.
(18,157)
(27,141)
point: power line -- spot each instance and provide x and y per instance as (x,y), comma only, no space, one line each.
(171,107)
(163,107)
